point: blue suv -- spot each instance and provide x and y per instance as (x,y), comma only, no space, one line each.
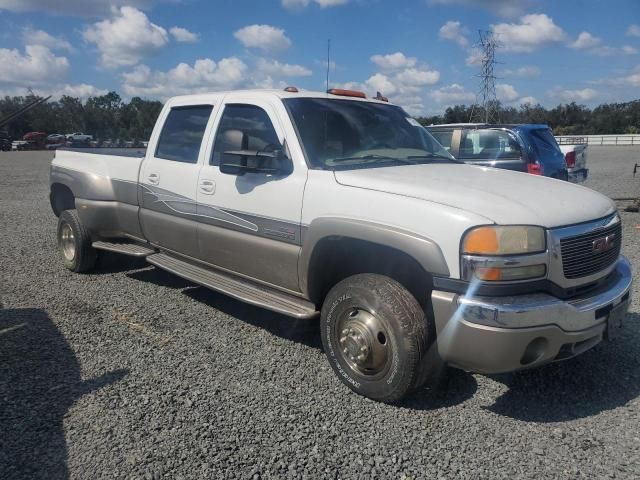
(528,148)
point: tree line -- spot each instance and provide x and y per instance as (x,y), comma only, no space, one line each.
(109,117)
(104,117)
(566,119)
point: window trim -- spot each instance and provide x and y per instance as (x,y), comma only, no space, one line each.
(464,131)
(221,118)
(164,124)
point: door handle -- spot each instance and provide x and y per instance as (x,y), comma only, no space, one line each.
(153,179)
(208,187)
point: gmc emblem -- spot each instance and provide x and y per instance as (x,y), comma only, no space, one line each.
(604,244)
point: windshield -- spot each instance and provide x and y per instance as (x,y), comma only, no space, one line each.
(347,134)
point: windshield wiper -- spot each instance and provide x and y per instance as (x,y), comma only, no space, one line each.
(434,155)
(374,157)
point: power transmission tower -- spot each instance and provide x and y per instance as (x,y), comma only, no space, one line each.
(486,107)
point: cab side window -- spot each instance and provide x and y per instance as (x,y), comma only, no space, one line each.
(182,133)
(243,127)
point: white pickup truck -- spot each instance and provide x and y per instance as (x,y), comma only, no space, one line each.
(79,137)
(343,207)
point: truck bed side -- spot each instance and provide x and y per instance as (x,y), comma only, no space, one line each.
(104,189)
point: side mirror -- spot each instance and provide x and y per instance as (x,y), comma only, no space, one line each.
(274,162)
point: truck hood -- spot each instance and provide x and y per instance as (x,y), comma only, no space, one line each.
(501,196)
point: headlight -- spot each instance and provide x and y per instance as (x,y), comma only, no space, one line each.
(504,253)
(504,240)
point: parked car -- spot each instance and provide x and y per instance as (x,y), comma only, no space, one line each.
(34,141)
(522,147)
(575,154)
(56,140)
(5,141)
(338,206)
(79,138)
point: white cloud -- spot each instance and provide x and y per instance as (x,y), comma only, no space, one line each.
(533,31)
(394,61)
(417,77)
(452,94)
(524,71)
(455,32)
(528,100)
(506,93)
(204,75)
(381,83)
(633,30)
(631,80)
(183,35)
(36,67)
(90,8)
(273,67)
(264,37)
(585,40)
(40,37)
(629,50)
(297,4)
(126,38)
(567,96)
(503,8)
(475,57)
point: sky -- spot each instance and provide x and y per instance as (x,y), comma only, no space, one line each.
(422,54)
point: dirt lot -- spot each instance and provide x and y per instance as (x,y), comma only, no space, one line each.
(130,372)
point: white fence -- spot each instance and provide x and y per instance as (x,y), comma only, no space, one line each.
(599,139)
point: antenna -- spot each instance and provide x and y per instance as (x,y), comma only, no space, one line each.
(328,61)
(485,108)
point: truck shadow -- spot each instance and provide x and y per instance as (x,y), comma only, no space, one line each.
(303,331)
(601,379)
(40,379)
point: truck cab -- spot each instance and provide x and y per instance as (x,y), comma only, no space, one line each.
(337,206)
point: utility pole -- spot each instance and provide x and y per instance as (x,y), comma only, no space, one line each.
(485,109)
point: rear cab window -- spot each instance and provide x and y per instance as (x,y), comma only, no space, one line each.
(544,142)
(182,133)
(444,138)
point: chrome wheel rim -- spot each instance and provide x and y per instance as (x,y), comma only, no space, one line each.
(363,342)
(67,242)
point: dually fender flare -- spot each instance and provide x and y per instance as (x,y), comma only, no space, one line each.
(423,250)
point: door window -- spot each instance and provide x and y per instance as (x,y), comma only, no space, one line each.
(243,127)
(488,145)
(182,133)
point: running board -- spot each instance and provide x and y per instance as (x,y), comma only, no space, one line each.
(236,287)
(124,247)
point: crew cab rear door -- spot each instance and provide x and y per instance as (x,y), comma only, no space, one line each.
(250,221)
(169,177)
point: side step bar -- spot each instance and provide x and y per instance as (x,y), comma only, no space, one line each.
(126,248)
(236,287)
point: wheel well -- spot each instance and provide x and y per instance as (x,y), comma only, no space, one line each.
(61,198)
(336,258)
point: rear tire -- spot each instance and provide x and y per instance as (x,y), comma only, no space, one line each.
(376,336)
(74,243)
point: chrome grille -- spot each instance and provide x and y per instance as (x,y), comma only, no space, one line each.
(579,258)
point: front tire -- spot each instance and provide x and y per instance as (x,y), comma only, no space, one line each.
(74,243)
(375,335)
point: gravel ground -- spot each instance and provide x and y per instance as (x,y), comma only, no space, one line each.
(130,372)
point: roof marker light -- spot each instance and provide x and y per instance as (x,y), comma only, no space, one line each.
(346,93)
(291,90)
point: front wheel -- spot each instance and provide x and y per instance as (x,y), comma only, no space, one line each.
(74,243)
(375,334)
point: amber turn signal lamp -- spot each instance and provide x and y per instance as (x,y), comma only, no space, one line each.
(483,240)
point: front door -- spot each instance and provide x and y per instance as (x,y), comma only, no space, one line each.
(250,222)
(168,180)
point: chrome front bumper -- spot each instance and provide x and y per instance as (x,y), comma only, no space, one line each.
(501,334)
